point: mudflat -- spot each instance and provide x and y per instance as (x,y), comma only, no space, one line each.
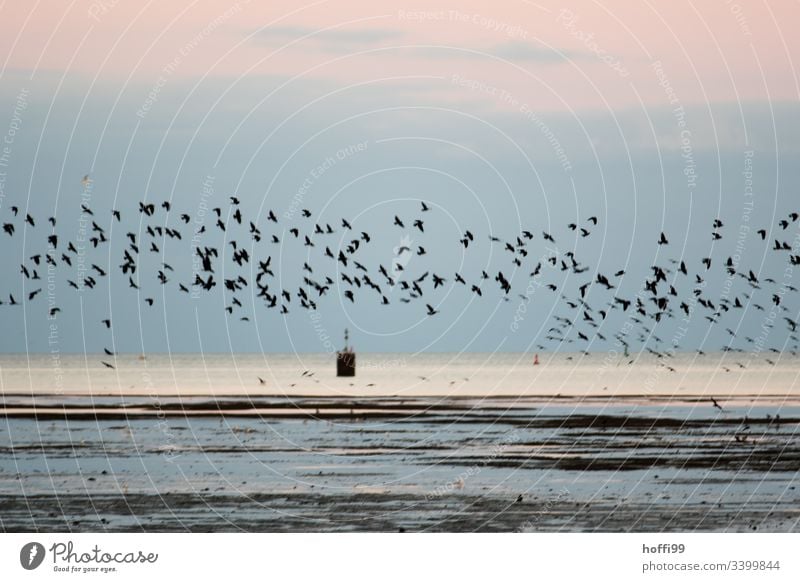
(310,463)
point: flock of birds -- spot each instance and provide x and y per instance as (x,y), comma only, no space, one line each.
(674,289)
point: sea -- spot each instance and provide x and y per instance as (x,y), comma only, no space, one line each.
(413,442)
(437,374)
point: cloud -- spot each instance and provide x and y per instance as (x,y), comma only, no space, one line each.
(346,40)
(523,51)
(329,40)
(508,51)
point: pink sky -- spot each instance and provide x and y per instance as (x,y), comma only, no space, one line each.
(711,50)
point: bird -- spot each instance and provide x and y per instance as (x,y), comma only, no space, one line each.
(673,288)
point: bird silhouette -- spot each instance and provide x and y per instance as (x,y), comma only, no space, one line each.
(676,287)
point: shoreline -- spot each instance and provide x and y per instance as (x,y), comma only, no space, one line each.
(380,512)
(504,409)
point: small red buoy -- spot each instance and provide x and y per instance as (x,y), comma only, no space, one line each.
(536,359)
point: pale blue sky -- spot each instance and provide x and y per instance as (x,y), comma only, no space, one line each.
(483,162)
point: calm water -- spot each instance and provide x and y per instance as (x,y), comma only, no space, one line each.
(401,374)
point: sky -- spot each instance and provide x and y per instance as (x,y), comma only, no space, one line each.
(502,116)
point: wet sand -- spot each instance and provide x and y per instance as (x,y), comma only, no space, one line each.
(311,463)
